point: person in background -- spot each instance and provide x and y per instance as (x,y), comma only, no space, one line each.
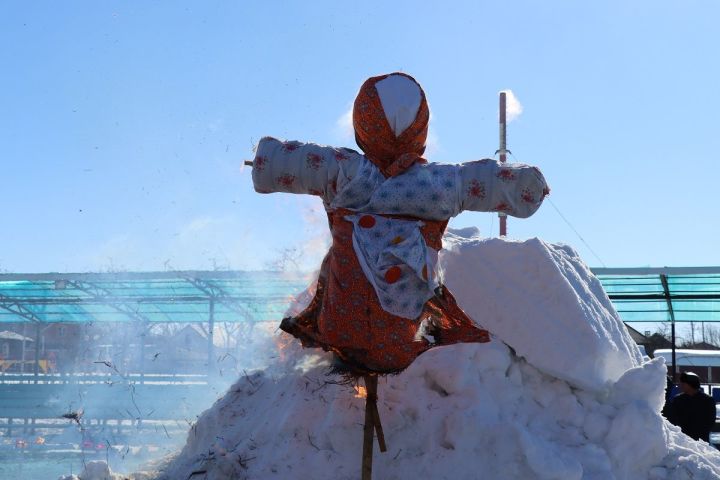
(669,394)
(693,410)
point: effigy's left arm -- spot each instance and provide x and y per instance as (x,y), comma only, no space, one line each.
(489,186)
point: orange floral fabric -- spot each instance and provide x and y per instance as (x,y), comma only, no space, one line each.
(373,134)
(345,315)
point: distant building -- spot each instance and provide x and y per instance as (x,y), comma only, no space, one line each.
(11,349)
(185,351)
(639,339)
(57,344)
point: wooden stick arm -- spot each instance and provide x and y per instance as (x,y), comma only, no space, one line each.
(249,163)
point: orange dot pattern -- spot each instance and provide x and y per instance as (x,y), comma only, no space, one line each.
(367,221)
(346,317)
(393,274)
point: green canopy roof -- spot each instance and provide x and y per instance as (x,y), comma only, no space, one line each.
(148,296)
(682,294)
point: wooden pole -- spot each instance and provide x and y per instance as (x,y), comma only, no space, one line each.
(378,427)
(503,154)
(372,425)
(367,454)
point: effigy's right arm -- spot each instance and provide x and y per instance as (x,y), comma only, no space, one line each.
(295,167)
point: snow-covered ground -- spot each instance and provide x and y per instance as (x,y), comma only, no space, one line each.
(560,393)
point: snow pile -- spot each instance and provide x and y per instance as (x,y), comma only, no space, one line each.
(543,301)
(99,470)
(458,412)
(543,409)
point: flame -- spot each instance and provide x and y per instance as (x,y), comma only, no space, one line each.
(297,303)
(282,342)
(360,391)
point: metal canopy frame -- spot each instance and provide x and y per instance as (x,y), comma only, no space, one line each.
(148,297)
(668,294)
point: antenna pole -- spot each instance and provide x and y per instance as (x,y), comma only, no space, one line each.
(503,154)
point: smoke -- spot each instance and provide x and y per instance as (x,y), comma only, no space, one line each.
(344,125)
(206,242)
(319,239)
(149,380)
(513,105)
(432,144)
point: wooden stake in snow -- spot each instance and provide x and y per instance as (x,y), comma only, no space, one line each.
(503,154)
(372,425)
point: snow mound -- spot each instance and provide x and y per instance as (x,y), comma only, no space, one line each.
(544,302)
(569,399)
(459,412)
(99,470)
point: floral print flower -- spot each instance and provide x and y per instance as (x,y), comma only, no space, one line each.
(502,207)
(285,180)
(290,146)
(314,161)
(527,196)
(476,189)
(259,163)
(506,175)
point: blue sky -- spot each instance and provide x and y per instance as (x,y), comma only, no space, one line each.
(124,124)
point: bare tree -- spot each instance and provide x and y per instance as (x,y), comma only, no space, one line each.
(712,334)
(692,328)
(288,259)
(229,331)
(166,329)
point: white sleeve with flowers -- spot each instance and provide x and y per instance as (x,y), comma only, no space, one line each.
(513,188)
(295,167)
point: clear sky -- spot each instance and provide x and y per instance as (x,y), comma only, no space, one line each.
(124,124)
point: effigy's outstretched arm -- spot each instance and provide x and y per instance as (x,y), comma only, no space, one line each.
(295,167)
(488,186)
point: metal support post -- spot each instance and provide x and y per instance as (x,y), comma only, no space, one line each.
(211,328)
(668,300)
(503,154)
(36,367)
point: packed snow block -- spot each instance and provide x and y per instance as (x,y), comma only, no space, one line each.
(544,302)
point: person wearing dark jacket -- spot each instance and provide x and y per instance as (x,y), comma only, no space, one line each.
(693,410)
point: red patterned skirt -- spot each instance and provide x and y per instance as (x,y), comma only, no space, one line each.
(345,315)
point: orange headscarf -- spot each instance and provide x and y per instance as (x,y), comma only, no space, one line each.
(391,154)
